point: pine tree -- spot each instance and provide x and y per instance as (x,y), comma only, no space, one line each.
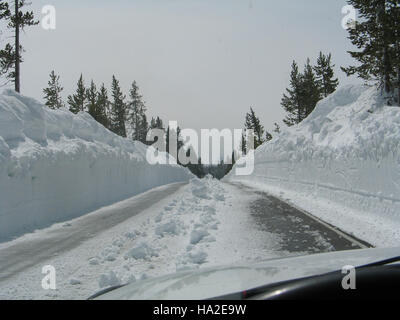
(52,94)
(7,62)
(118,109)
(97,103)
(302,96)
(243,143)
(103,107)
(153,123)
(253,122)
(137,114)
(325,74)
(310,90)
(174,134)
(180,143)
(143,130)
(195,167)
(372,35)
(156,123)
(159,123)
(10,56)
(292,101)
(91,100)
(77,101)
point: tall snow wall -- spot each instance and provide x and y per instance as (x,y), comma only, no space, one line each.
(55,166)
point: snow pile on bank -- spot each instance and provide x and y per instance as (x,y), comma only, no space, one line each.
(55,166)
(342,164)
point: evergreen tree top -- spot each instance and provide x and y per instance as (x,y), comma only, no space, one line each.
(52,94)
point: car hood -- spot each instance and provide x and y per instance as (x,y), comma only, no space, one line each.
(213,282)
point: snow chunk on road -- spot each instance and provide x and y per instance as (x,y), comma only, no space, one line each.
(200,188)
(197,235)
(109,280)
(142,251)
(172,227)
(198,257)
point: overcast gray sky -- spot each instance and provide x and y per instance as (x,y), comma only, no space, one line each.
(200,62)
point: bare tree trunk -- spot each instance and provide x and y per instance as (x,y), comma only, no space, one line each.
(386,59)
(17,47)
(388,86)
(398,65)
(398,85)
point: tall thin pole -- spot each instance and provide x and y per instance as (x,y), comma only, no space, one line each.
(17,66)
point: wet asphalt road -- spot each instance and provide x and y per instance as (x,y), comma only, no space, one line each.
(299,231)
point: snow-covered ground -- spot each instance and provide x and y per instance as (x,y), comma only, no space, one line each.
(55,166)
(342,164)
(204,224)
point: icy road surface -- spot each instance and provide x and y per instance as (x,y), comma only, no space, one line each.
(33,250)
(177,227)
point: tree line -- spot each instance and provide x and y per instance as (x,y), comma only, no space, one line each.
(308,88)
(305,91)
(125,116)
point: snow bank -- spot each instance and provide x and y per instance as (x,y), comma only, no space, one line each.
(342,164)
(55,166)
